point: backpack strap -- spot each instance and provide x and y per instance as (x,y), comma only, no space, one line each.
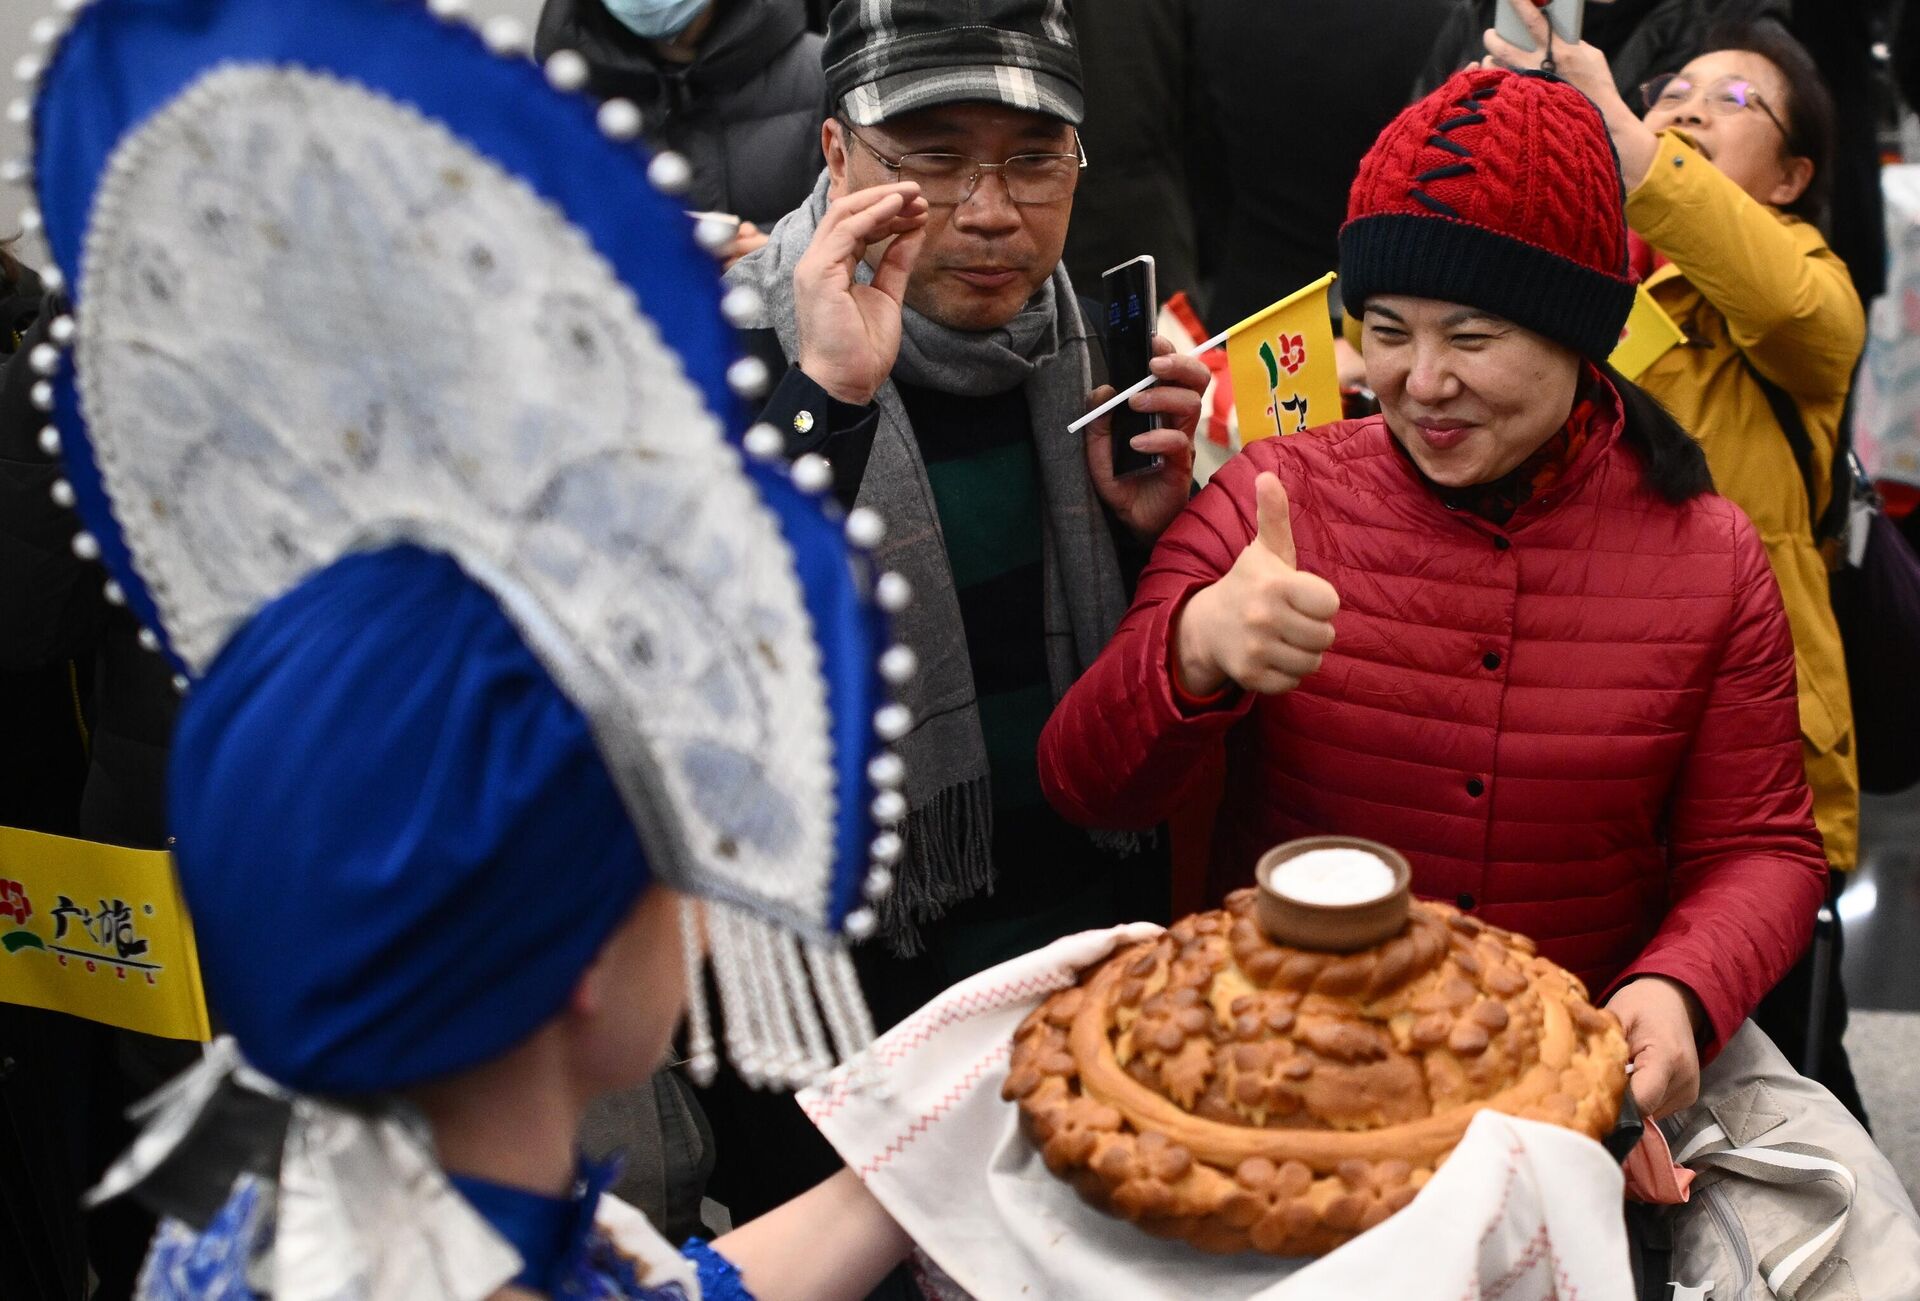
(1832,522)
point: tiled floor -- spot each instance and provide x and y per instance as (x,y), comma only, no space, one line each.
(1883,1047)
(1881,913)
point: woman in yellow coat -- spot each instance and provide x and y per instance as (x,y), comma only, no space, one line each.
(1726,179)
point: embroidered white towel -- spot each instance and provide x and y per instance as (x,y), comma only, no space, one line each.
(1521,1211)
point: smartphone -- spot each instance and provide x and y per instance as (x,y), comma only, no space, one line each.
(1132,307)
(1563,16)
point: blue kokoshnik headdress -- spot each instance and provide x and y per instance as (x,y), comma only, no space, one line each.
(402,409)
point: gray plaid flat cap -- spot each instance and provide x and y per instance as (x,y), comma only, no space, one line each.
(885,58)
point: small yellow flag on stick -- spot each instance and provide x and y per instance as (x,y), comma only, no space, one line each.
(1282,364)
(1649,333)
(99,932)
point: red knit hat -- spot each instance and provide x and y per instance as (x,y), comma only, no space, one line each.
(1501,191)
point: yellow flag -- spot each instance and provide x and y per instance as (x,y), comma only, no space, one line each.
(1649,334)
(1281,362)
(99,932)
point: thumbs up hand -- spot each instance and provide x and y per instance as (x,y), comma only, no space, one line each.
(1265,624)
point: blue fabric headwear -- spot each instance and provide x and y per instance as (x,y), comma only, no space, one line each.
(407,818)
(396,837)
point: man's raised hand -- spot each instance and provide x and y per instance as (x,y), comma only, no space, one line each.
(1266,623)
(850,332)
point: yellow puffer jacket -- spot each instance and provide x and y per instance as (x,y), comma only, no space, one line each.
(1745,279)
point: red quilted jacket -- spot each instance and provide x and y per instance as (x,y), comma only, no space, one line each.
(1581,726)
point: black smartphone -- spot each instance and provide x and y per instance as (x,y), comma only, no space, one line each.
(1132,307)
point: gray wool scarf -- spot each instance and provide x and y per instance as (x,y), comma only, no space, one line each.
(949,828)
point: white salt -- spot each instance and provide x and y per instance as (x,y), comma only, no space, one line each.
(1334,876)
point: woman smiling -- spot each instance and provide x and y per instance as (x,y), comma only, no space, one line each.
(1727,174)
(1506,626)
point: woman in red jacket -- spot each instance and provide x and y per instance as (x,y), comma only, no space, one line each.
(1506,626)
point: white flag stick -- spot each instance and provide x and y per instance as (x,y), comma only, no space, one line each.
(1141,387)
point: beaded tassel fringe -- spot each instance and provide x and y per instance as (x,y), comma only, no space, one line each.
(791,1009)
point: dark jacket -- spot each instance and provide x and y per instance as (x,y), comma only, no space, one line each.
(1641,39)
(55,614)
(810,420)
(87,716)
(1296,90)
(1135,196)
(1839,34)
(746,112)
(43,763)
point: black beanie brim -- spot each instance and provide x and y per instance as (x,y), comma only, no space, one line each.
(1455,262)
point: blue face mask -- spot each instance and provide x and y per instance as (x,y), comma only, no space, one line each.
(656,19)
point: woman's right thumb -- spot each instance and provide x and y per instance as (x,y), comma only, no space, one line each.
(1275,516)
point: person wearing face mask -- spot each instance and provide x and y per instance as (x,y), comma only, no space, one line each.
(1728,177)
(662,20)
(734,85)
(1506,626)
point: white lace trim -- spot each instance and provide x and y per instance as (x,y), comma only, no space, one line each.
(315,321)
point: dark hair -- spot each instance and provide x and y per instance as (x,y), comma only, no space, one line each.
(1676,465)
(10,268)
(1808,112)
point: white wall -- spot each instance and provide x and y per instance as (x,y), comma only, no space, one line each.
(17,16)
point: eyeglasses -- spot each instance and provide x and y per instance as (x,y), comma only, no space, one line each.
(1725,97)
(950,179)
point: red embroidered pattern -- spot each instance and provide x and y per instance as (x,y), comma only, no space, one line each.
(923,1026)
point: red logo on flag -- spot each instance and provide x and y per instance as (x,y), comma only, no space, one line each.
(1293,352)
(13,902)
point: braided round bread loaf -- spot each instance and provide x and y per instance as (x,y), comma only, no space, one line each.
(1216,1086)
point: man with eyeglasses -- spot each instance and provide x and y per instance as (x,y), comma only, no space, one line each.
(929,345)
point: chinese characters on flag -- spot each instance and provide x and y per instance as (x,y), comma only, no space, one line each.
(1282,364)
(98,932)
